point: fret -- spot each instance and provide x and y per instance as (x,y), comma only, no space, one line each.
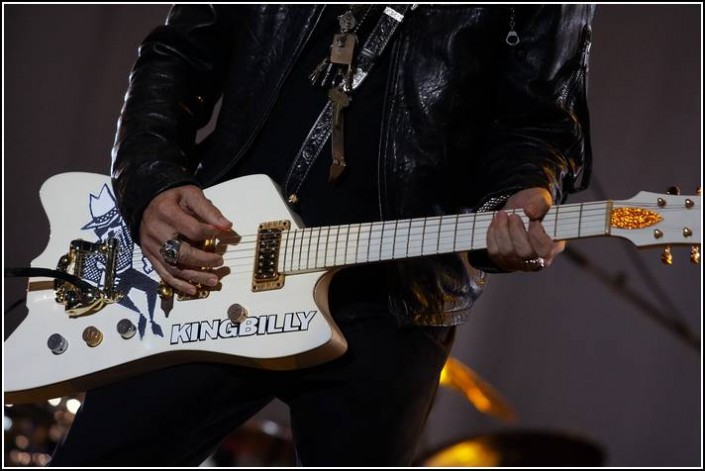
(318,246)
(381,240)
(301,249)
(394,239)
(369,241)
(308,249)
(580,219)
(293,250)
(455,234)
(472,236)
(387,240)
(414,242)
(325,249)
(347,240)
(335,246)
(286,250)
(423,235)
(357,244)
(555,222)
(401,236)
(438,236)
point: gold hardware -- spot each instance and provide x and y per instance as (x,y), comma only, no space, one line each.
(165,291)
(666,256)
(689,203)
(92,336)
(82,301)
(695,254)
(658,234)
(674,190)
(293,199)
(661,202)
(634,218)
(687,232)
(266,275)
(237,313)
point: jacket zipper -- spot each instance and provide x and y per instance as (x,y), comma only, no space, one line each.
(572,81)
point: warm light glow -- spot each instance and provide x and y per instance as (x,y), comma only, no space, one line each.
(485,398)
(54,402)
(465,454)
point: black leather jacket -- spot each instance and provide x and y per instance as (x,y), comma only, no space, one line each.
(468,120)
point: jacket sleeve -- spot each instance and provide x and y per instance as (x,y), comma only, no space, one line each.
(540,132)
(172,91)
(539,136)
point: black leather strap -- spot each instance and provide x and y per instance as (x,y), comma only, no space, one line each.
(375,44)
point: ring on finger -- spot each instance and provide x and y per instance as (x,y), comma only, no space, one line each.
(534,264)
(170,251)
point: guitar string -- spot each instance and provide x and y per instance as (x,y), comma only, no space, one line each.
(329,258)
(481,222)
(477,223)
(378,229)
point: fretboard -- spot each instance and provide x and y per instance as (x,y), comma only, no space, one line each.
(325,247)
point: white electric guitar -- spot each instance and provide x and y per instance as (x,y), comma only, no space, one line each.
(109,317)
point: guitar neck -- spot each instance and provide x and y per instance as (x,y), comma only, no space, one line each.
(325,247)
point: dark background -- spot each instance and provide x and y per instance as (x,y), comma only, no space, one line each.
(564,348)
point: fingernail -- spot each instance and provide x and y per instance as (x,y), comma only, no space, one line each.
(224,222)
(219,262)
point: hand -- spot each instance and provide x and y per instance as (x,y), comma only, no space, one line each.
(509,244)
(182,211)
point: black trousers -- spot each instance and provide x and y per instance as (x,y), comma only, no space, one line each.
(366,408)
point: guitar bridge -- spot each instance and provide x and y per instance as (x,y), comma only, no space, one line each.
(80,259)
(266,275)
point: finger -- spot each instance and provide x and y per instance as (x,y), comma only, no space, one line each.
(193,276)
(184,224)
(498,240)
(205,210)
(541,243)
(522,247)
(176,283)
(192,257)
(166,219)
(537,205)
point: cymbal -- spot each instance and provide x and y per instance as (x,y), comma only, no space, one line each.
(479,393)
(523,448)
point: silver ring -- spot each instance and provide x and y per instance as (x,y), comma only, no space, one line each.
(534,264)
(170,251)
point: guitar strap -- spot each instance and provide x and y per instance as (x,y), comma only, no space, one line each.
(320,132)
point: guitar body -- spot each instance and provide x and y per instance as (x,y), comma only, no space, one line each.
(102,319)
(284,328)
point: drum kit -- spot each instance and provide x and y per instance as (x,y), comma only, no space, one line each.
(264,443)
